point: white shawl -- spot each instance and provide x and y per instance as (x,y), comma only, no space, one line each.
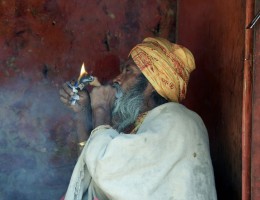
(168,158)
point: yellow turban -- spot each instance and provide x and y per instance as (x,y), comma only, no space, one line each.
(166,65)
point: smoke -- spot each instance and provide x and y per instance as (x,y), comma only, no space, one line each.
(37,142)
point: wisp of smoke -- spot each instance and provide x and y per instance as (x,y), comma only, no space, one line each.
(37,138)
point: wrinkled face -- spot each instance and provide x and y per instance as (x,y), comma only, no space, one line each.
(129,75)
(130,85)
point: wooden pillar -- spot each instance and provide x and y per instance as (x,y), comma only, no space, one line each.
(255,168)
(247,104)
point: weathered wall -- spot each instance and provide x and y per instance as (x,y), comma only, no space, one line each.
(214,31)
(43,44)
(256,114)
(56,36)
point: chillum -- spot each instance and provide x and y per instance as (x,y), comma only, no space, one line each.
(79,86)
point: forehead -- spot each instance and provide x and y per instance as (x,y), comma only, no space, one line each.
(128,63)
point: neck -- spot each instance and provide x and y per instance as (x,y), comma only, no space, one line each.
(148,105)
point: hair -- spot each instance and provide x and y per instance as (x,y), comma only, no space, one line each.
(157,98)
(128,106)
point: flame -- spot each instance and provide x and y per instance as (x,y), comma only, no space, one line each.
(82,71)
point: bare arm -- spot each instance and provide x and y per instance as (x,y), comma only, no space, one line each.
(82,110)
(102,101)
(90,110)
(83,124)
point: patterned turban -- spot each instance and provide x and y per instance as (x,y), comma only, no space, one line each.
(166,65)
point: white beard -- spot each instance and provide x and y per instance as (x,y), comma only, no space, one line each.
(127,107)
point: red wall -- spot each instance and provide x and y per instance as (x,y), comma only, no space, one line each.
(57,36)
(43,44)
(214,31)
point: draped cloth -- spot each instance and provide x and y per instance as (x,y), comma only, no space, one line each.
(166,65)
(167,158)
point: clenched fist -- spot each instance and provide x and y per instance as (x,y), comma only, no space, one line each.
(102,101)
(66,94)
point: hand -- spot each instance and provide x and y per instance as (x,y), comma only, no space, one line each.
(80,105)
(102,101)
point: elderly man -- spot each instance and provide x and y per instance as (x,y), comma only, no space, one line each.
(144,143)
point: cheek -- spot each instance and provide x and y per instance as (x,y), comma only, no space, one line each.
(127,84)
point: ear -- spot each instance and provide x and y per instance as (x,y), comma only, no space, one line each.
(149,97)
(149,89)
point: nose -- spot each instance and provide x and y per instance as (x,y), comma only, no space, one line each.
(118,79)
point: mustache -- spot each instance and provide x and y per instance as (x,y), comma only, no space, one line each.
(119,90)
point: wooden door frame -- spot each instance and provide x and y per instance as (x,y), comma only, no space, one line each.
(251,107)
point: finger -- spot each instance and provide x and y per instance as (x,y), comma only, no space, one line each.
(63,94)
(95,83)
(78,105)
(65,101)
(67,89)
(83,94)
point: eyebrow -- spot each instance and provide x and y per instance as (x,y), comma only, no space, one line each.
(124,65)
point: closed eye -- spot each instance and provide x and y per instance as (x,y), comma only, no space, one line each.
(127,69)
